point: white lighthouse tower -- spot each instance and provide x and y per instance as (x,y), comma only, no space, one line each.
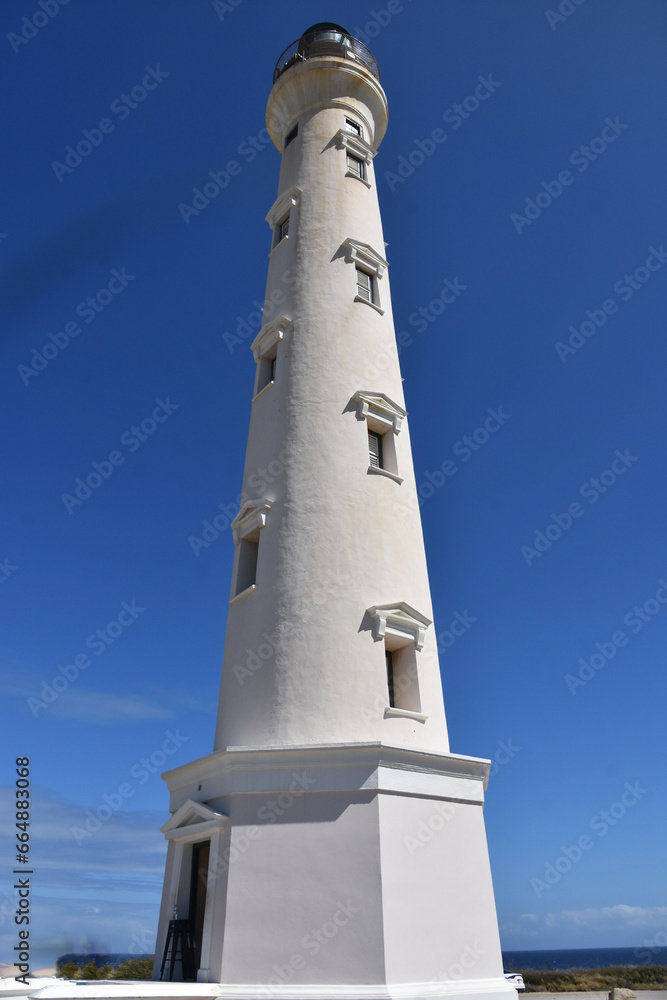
(331,845)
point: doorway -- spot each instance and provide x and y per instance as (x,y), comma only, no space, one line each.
(198,882)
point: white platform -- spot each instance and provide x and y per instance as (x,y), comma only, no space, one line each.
(125,990)
(111,989)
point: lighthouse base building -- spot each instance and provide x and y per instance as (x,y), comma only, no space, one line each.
(331,846)
(348,871)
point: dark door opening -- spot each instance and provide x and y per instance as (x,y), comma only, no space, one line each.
(200,856)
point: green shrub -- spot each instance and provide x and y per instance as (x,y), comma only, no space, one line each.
(90,971)
(631,977)
(69,970)
(134,968)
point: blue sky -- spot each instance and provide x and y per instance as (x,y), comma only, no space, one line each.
(543,207)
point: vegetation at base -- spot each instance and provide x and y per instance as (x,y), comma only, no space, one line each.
(135,968)
(128,968)
(630,977)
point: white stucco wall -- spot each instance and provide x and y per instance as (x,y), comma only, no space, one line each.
(434,852)
(319,898)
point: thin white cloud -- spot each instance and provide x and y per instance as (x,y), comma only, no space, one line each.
(20,679)
(618,926)
(100,708)
(613,917)
(185,701)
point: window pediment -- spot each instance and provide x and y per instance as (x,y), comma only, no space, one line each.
(399,625)
(287,201)
(345,139)
(250,519)
(365,256)
(270,334)
(379,410)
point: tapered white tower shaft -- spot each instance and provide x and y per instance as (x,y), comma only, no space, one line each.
(329,534)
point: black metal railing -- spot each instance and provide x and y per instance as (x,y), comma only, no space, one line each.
(326,42)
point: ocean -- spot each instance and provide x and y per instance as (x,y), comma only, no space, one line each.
(583,958)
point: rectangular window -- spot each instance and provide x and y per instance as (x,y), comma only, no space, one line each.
(365,285)
(375,449)
(390,677)
(404,687)
(266,371)
(283,228)
(356,166)
(247,565)
(354,127)
(292,135)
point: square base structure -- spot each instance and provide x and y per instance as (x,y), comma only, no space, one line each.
(339,871)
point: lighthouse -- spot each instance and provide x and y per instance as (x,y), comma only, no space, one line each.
(331,845)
